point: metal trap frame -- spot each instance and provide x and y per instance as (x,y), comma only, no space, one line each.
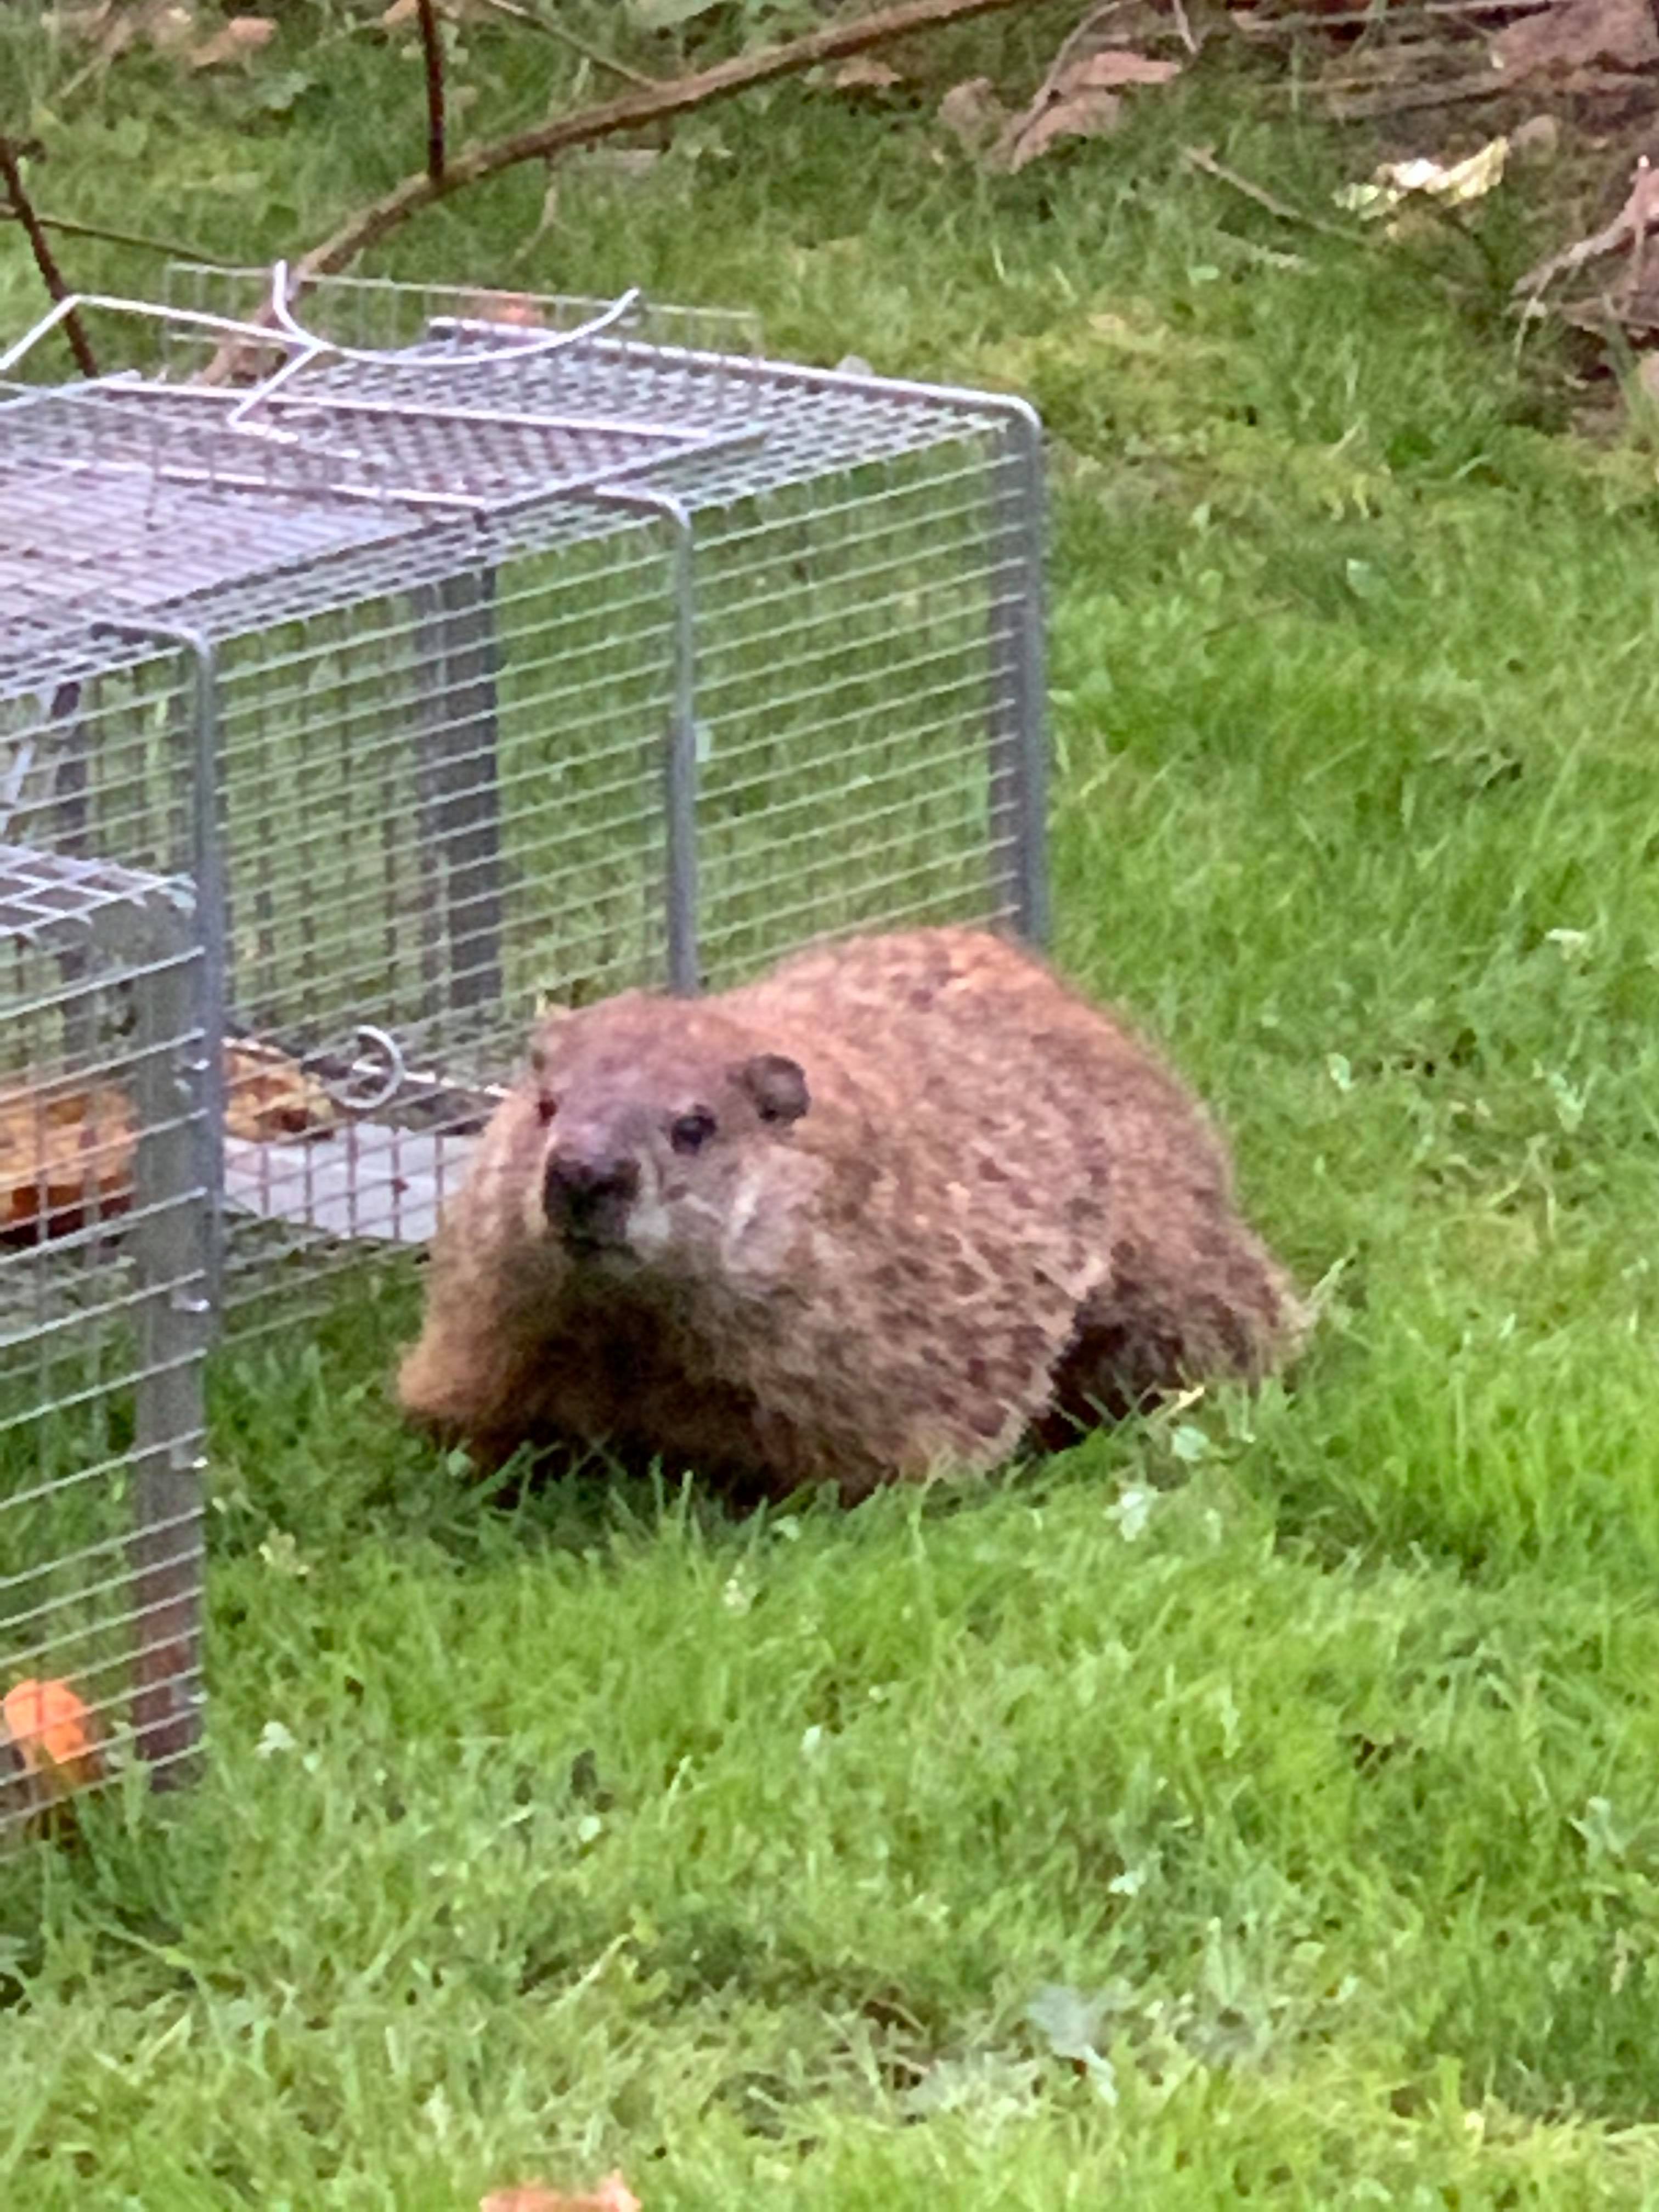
(106,1186)
(466,652)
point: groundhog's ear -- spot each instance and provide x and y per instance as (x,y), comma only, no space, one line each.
(777,1085)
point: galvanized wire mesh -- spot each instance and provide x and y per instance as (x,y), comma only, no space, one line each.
(481,671)
(461,653)
(104,1303)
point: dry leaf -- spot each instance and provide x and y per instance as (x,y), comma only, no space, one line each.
(1081,102)
(1085,115)
(1107,72)
(1638,216)
(1454,184)
(865,72)
(973,116)
(612,2195)
(239,40)
(1576,34)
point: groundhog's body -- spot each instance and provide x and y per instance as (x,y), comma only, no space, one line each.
(902,1202)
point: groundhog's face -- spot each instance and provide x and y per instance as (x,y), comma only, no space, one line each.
(656,1129)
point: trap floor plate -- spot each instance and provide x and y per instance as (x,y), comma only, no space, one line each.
(365,1181)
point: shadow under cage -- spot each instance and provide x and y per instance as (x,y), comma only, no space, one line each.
(468,654)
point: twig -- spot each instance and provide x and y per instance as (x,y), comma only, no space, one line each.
(1184,26)
(1453,92)
(1070,46)
(432,54)
(1630,226)
(11,176)
(1200,157)
(600,59)
(677,96)
(1257,23)
(132,238)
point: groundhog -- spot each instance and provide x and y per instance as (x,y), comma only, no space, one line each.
(903,1204)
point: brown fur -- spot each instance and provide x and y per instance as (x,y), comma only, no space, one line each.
(996,1218)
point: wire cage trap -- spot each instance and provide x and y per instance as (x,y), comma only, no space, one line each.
(471,652)
(105,1301)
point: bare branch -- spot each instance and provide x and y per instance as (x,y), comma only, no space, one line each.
(11,175)
(678,96)
(1456,91)
(135,239)
(1200,157)
(432,54)
(1254,23)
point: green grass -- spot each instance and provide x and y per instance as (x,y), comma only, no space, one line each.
(1312,1746)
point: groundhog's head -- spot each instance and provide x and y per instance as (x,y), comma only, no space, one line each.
(659,1126)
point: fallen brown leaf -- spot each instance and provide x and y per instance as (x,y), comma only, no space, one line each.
(239,40)
(973,116)
(612,2195)
(1631,226)
(1574,35)
(1106,71)
(865,72)
(1080,101)
(1086,114)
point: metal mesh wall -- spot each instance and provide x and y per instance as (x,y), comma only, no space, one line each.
(438,809)
(104,1308)
(848,673)
(503,671)
(454,670)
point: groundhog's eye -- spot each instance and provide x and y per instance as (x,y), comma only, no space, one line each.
(546,1106)
(692,1130)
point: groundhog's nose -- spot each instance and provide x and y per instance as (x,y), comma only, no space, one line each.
(587,1200)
